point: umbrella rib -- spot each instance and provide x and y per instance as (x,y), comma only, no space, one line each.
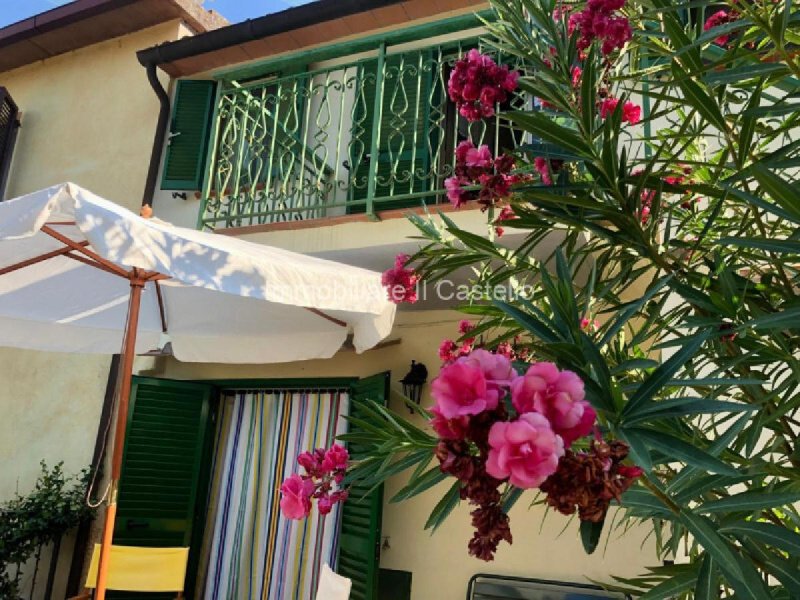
(91,263)
(319,313)
(41,258)
(161,311)
(77,246)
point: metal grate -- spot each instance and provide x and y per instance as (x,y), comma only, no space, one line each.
(360,136)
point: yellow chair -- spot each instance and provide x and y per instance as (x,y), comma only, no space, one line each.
(136,569)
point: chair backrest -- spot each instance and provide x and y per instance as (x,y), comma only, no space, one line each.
(499,587)
(332,586)
(135,569)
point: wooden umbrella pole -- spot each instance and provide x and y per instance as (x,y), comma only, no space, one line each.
(126,364)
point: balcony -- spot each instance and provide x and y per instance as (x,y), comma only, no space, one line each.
(353,135)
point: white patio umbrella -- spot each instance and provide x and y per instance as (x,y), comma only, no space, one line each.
(81,274)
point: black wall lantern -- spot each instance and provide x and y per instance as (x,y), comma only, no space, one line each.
(413,382)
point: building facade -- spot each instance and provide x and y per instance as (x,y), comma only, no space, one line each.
(315,129)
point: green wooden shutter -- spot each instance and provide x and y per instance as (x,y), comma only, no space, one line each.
(189,132)
(9,124)
(359,542)
(165,469)
(412,124)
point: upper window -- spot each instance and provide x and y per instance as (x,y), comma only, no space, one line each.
(9,124)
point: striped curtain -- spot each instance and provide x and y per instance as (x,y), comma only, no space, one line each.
(251,551)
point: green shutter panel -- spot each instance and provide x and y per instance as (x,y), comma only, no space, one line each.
(185,158)
(165,468)
(359,541)
(9,124)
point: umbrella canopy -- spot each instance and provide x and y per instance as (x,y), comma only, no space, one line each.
(220,299)
(81,274)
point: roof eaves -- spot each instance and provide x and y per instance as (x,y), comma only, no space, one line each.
(296,17)
(199,19)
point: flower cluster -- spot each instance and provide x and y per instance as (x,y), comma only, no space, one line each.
(721,17)
(631,113)
(324,470)
(588,481)
(477,167)
(506,214)
(589,325)
(477,84)
(449,350)
(484,441)
(547,168)
(600,21)
(400,281)
(647,195)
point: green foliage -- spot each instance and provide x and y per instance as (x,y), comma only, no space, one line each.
(56,505)
(696,364)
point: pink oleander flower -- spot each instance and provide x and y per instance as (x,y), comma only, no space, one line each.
(327,500)
(542,166)
(607,107)
(510,81)
(480,157)
(506,349)
(547,168)
(525,451)
(721,17)
(477,84)
(325,504)
(544,104)
(463,148)
(296,497)
(630,471)
(559,396)
(577,73)
(589,324)
(561,12)
(504,164)
(573,21)
(631,113)
(336,458)
(400,282)
(461,389)
(448,351)
(598,21)
(308,461)
(506,214)
(465,326)
(449,429)
(456,193)
(494,188)
(477,166)
(617,33)
(496,368)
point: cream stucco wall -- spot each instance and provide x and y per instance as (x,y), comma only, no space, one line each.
(50,406)
(88,116)
(439,563)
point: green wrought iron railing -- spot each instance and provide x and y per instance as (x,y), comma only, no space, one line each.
(356,136)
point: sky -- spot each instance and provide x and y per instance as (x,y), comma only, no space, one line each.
(12,11)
